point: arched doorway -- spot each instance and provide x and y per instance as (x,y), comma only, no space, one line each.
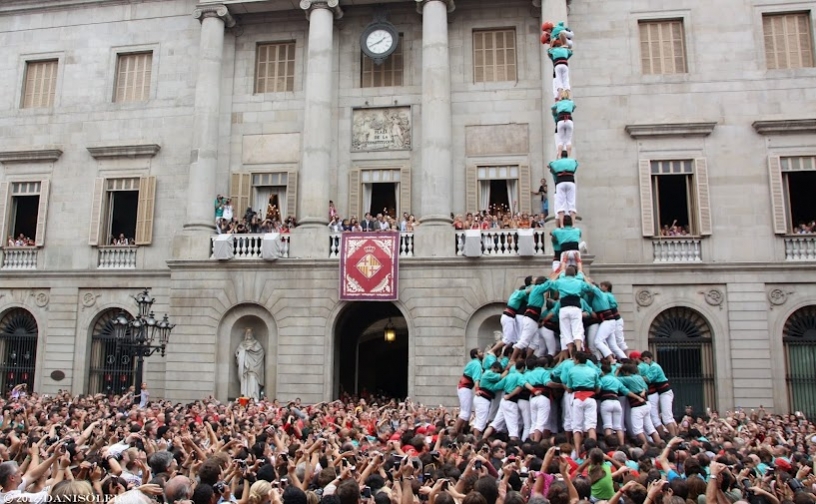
(680,339)
(112,366)
(799,338)
(18,349)
(364,360)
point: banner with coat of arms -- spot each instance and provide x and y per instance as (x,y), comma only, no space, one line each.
(369,266)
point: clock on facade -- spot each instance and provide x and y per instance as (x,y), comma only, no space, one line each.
(379,41)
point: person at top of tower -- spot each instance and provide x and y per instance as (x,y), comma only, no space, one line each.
(560,55)
(557,32)
(562,111)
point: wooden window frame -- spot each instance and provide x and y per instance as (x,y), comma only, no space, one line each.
(355,193)
(52,65)
(524,185)
(388,68)
(290,64)
(780,48)
(697,194)
(493,53)
(241,187)
(145,211)
(7,204)
(146,82)
(654,64)
(781,211)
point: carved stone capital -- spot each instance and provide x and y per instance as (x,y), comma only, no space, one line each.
(333,5)
(220,11)
(421,3)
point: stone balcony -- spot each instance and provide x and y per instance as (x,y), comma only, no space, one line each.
(116,257)
(503,242)
(19,258)
(800,248)
(677,250)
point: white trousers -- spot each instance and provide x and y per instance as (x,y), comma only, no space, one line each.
(482,409)
(561,80)
(540,413)
(507,420)
(641,420)
(584,414)
(605,341)
(619,335)
(565,197)
(508,325)
(572,328)
(465,403)
(612,414)
(563,134)
(566,407)
(526,420)
(547,344)
(591,336)
(660,406)
(529,328)
(494,407)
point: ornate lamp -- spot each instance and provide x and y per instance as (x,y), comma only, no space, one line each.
(390,333)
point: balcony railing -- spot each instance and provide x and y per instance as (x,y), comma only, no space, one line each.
(20,258)
(503,242)
(250,246)
(677,250)
(406,245)
(121,257)
(800,248)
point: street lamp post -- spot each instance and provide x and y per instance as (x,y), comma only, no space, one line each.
(143,335)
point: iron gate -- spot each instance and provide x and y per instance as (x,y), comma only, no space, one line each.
(799,337)
(18,348)
(112,365)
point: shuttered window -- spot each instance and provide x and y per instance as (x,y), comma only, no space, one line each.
(24,211)
(494,55)
(675,198)
(256,190)
(368,187)
(123,207)
(389,73)
(662,47)
(275,67)
(40,84)
(791,181)
(788,40)
(498,188)
(133,74)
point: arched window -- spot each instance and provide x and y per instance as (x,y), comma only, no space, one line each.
(18,349)
(112,365)
(680,339)
(799,337)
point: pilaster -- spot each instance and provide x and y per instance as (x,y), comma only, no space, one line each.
(332,5)
(450,4)
(218,10)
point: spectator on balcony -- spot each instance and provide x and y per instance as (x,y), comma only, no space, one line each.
(458,223)
(120,241)
(562,111)
(563,170)
(355,226)
(806,228)
(345,226)
(332,210)
(524,222)
(227,211)
(336,224)
(219,207)
(412,224)
(674,230)
(545,202)
(369,223)
(382,223)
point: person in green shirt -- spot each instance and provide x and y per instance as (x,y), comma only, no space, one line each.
(562,111)
(583,381)
(470,380)
(611,389)
(570,320)
(600,476)
(485,394)
(661,396)
(563,170)
(639,410)
(529,323)
(540,398)
(507,419)
(613,302)
(515,307)
(560,55)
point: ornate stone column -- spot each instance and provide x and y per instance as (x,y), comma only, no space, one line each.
(436,178)
(311,238)
(193,242)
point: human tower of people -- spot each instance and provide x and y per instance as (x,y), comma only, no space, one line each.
(562,359)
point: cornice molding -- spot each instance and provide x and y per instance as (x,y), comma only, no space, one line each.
(450,3)
(30,156)
(333,5)
(215,10)
(785,126)
(124,151)
(701,129)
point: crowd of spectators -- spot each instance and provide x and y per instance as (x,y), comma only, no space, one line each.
(66,448)
(674,230)
(21,241)
(385,220)
(805,228)
(498,219)
(252,222)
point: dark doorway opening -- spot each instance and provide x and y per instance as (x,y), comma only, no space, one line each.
(384,199)
(123,209)
(674,201)
(800,192)
(25,216)
(364,361)
(498,197)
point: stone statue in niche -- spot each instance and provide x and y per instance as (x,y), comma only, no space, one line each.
(250,358)
(381,129)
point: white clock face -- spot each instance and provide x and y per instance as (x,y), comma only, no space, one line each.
(379,41)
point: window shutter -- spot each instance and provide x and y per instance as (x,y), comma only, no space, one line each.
(778,213)
(405,189)
(646,204)
(240,186)
(96,212)
(354,193)
(524,188)
(144,212)
(4,201)
(291,194)
(42,213)
(471,187)
(703,197)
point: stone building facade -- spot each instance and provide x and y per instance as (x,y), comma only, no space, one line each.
(133,114)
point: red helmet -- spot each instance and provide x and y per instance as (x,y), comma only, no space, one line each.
(545,38)
(547,26)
